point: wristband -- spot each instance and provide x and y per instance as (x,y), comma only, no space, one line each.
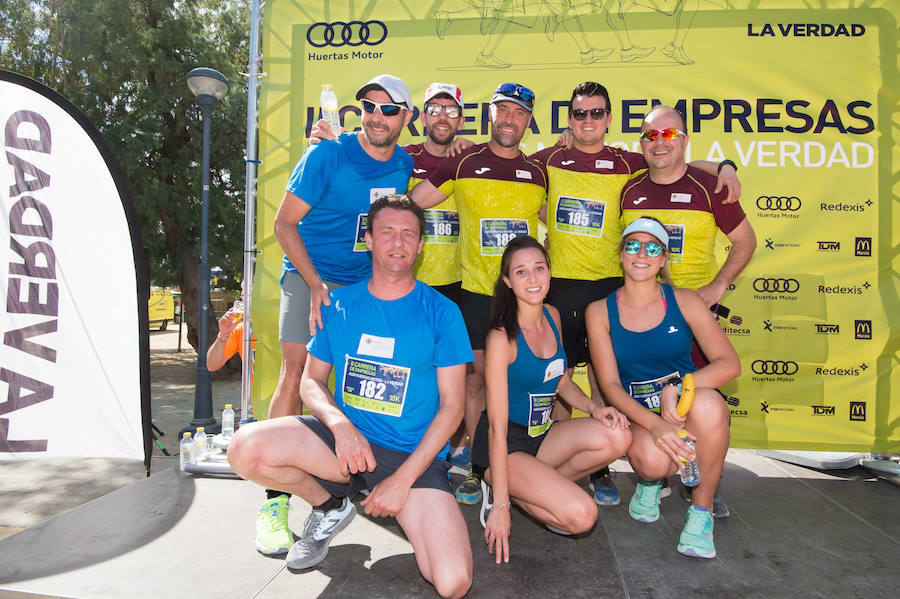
(676,382)
(723,163)
(502,505)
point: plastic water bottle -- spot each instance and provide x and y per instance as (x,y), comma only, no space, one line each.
(690,473)
(228,421)
(186,451)
(329,103)
(200,445)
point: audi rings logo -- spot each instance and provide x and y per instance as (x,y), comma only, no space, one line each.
(776,285)
(774,367)
(340,33)
(791,204)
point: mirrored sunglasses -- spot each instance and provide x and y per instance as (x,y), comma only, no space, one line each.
(579,114)
(666,134)
(513,90)
(387,108)
(633,247)
(452,111)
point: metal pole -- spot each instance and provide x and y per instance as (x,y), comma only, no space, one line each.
(250,214)
(203,390)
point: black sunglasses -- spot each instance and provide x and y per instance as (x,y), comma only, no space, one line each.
(579,114)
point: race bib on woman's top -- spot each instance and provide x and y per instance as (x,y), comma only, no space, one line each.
(540,405)
(648,392)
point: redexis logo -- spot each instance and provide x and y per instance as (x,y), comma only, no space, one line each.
(777,367)
(350,33)
(773,285)
(782,203)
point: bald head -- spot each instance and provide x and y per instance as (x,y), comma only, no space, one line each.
(662,110)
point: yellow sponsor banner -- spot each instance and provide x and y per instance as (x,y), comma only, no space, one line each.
(802,99)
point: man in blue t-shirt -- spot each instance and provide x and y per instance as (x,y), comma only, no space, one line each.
(399,351)
(320,225)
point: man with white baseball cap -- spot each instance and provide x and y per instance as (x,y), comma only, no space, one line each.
(321,226)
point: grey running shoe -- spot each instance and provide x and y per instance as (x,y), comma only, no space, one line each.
(720,510)
(319,529)
(636,52)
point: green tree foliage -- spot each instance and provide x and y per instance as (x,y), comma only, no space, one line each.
(123,63)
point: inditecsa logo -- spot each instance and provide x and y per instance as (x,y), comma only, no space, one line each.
(734,408)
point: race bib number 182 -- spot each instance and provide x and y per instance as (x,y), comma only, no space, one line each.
(375,387)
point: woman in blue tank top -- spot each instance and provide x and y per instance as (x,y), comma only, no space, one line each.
(523,456)
(640,342)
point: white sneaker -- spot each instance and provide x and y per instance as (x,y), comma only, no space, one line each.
(319,529)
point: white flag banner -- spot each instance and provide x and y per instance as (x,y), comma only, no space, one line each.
(74,357)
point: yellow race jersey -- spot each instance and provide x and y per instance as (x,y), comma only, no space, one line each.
(691,213)
(583,209)
(497,199)
(439,262)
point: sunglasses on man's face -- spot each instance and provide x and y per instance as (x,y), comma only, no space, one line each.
(516,91)
(452,111)
(579,114)
(665,134)
(633,247)
(387,108)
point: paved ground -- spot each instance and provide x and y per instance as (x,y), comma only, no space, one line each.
(99,528)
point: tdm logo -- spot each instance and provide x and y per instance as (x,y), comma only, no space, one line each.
(783,203)
(828,329)
(858,411)
(863,247)
(352,33)
(784,367)
(776,285)
(823,410)
(829,246)
(863,330)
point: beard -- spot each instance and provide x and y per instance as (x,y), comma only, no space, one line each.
(381,137)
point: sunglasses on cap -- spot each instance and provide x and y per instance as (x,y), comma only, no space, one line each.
(666,134)
(452,111)
(513,90)
(633,247)
(387,108)
(579,114)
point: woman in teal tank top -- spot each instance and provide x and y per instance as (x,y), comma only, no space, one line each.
(525,458)
(640,344)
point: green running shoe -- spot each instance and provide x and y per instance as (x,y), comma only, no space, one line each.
(273,537)
(644,505)
(697,537)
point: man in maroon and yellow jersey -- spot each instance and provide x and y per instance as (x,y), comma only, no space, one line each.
(499,193)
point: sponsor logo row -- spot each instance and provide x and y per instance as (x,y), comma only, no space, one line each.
(862,246)
(735,327)
(786,371)
(790,206)
(856,410)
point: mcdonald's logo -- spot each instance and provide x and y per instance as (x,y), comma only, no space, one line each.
(863,330)
(858,411)
(863,246)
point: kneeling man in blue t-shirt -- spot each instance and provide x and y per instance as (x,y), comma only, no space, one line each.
(399,351)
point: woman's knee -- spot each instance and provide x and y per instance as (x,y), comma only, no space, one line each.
(709,409)
(580,515)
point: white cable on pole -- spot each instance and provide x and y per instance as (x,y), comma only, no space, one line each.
(250,208)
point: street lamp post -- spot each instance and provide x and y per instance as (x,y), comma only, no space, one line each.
(209,86)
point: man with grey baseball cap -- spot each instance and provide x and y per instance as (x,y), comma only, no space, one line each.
(321,226)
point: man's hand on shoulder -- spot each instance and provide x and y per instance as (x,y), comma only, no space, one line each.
(387,498)
(458,146)
(728,178)
(352,449)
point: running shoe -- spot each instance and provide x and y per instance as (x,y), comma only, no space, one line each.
(461,463)
(469,490)
(644,505)
(666,490)
(676,53)
(319,529)
(487,502)
(605,491)
(273,537)
(697,537)
(635,52)
(720,509)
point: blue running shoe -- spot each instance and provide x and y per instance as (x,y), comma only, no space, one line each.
(605,491)
(461,462)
